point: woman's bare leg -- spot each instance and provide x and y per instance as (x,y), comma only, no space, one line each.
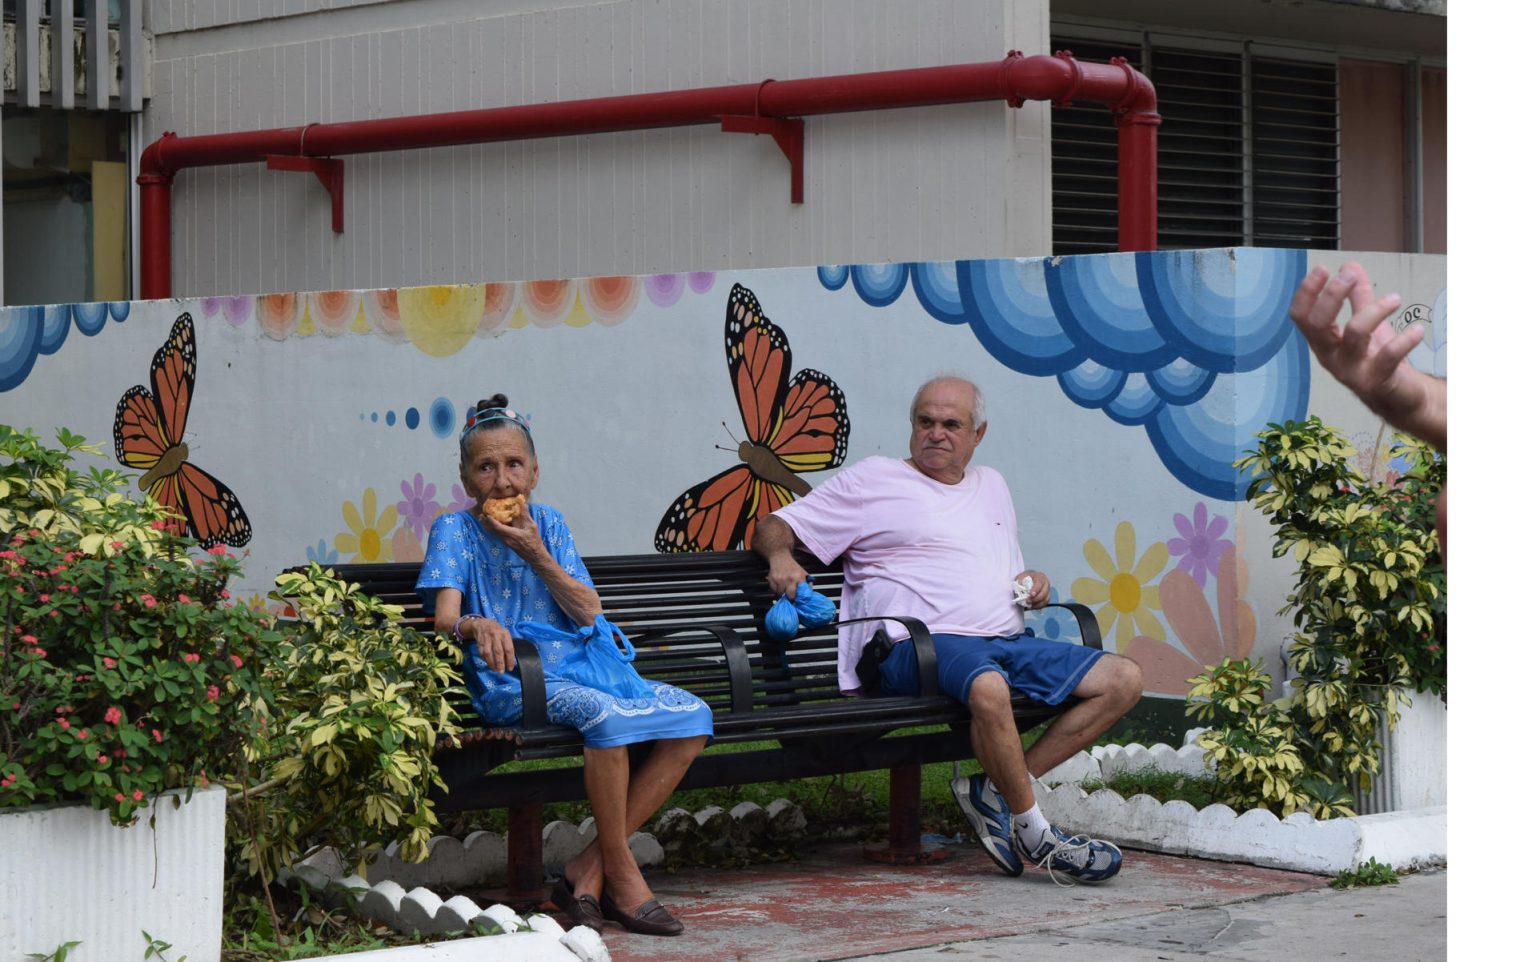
(618,799)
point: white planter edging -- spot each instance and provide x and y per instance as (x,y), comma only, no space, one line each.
(581,944)
(423,912)
(68,874)
(1299,842)
(1413,838)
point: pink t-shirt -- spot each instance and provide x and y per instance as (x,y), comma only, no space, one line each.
(944,553)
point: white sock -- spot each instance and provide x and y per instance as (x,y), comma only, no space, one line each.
(1030,827)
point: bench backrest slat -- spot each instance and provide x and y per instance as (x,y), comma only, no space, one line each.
(717,589)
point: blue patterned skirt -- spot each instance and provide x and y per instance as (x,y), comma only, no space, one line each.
(604,720)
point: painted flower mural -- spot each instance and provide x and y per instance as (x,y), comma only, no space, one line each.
(322,554)
(1056,624)
(460,502)
(418,507)
(1199,543)
(406,546)
(1206,638)
(366,539)
(1123,592)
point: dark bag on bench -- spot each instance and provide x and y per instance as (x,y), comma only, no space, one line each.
(868,668)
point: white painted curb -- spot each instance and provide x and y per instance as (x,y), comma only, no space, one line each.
(579,945)
(1407,839)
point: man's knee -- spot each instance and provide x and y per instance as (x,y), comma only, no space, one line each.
(989,696)
(1125,679)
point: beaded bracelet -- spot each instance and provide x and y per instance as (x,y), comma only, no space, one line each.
(462,619)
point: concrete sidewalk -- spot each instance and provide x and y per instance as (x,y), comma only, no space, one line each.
(834,905)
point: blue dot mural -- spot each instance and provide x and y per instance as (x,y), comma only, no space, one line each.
(441,417)
(1151,339)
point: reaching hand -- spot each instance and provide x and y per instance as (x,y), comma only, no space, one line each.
(1366,355)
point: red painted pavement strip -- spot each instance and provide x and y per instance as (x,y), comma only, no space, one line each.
(834,905)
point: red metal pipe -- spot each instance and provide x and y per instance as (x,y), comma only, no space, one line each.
(1015,79)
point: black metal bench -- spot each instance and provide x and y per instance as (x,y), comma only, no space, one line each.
(696,622)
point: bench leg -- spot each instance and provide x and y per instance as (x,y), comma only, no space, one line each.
(905,845)
(525,887)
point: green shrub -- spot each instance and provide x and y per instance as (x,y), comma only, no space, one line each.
(1369,610)
(358,701)
(125,670)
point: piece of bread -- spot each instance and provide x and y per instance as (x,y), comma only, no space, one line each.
(506,510)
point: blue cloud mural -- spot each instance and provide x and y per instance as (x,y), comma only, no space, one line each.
(1192,346)
(27,333)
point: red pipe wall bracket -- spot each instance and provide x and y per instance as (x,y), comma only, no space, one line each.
(328,170)
(788,133)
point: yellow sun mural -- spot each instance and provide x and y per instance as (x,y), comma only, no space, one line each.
(441,319)
(1123,592)
(368,539)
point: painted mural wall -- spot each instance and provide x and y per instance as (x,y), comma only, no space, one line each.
(672,410)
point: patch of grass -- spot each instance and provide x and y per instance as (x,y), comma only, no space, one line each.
(1197,790)
(311,929)
(854,805)
(1369,873)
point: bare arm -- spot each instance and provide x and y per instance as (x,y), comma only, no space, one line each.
(1366,355)
(775,541)
(491,638)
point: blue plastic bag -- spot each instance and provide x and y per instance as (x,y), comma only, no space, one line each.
(782,620)
(815,609)
(603,658)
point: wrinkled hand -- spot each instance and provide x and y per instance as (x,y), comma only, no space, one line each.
(522,535)
(494,642)
(785,576)
(1040,590)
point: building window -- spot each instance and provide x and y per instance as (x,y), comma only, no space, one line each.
(1248,152)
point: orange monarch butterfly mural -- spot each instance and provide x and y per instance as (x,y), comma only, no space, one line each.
(793,425)
(146,434)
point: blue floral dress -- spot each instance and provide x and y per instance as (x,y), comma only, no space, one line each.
(497,583)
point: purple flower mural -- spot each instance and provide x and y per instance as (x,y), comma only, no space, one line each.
(418,509)
(460,502)
(1200,543)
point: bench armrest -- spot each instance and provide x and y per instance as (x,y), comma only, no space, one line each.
(736,662)
(922,644)
(1087,624)
(530,669)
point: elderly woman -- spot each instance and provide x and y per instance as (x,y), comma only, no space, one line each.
(480,579)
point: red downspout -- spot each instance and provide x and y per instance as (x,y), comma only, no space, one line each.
(1016,78)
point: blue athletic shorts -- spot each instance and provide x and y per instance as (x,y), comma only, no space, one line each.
(1046,671)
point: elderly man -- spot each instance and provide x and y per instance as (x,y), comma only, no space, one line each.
(933,537)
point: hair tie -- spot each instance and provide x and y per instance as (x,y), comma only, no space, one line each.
(476,418)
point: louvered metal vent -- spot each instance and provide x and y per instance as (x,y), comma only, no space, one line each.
(1295,154)
(1233,170)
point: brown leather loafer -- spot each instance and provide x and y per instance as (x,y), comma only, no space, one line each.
(580,909)
(649,919)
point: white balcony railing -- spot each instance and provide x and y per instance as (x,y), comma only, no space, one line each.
(93,59)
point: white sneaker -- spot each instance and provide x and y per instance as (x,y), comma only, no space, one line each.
(1077,856)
